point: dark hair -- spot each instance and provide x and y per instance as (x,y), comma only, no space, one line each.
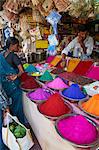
(82,28)
(11,40)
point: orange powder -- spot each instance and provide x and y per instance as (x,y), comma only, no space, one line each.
(72,64)
(92,105)
(56,60)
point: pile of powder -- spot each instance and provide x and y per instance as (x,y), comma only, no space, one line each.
(31,69)
(46,76)
(78,130)
(93,73)
(30,83)
(74,92)
(49,59)
(54,106)
(57,83)
(24,76)
(92,105)
(39,94)
(25,65)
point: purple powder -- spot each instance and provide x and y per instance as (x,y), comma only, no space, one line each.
(39,94)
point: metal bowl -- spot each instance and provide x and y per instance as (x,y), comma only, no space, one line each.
(71,99)
(93,144)
(51,117)
(80,105)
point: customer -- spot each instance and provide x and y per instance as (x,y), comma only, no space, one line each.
(81,46)
(10,70)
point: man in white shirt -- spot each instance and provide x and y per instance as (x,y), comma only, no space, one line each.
(81,46)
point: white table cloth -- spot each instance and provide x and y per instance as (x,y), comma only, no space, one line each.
(44,128)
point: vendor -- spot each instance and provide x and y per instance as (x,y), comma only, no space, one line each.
(81,46)
(10,70)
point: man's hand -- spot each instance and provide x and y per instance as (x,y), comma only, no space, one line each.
(81,42)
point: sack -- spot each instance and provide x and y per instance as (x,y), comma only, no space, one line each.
(12,142)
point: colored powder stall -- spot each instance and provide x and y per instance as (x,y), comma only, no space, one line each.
(74,92)
(46,76)
(78,130)
(54,106)
(57,83)
(92,105)
(39,94)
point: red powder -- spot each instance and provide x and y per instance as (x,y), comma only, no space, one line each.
(54,106)
(30,83)
(83,67)
(24,76)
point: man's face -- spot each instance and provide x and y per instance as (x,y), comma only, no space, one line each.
(82,34)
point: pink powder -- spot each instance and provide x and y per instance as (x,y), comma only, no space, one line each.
(49,59)
(77,129)
(39,94)
(93,73)
(57,84)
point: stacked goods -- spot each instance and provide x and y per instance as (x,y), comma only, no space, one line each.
(77,129)
(54,106)
(46,76)
(92,105)
(57,84)
(17,130)
(74,93)
(39,94)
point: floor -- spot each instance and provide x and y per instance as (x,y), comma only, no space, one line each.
(36,145)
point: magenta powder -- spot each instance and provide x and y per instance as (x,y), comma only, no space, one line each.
(93,73)
(77,129)
(57,83)
(39,94)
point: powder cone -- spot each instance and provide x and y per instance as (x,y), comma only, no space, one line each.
(74,92)
(24,76)
(25,65)
(93,73)
(46,76)
(92,105)
(30,83)
(31,69)
(39,94)
(77,129)
(54,106)
(57,83)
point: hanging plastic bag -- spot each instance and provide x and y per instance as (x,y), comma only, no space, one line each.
(13,139)
(53,17)
(52,40)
